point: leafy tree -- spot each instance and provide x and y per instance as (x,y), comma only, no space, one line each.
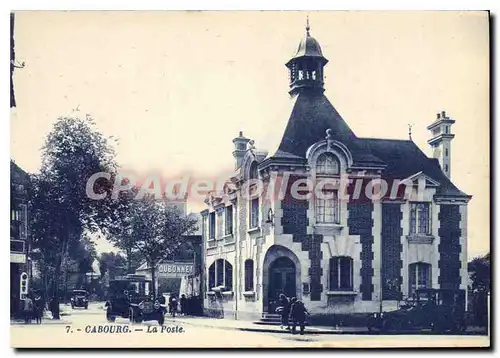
(480,273)
(112,264)
(61,210)
(158,231)
(119,231)
(83,254)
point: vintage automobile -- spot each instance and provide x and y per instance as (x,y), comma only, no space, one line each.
(129,298)
(437,310)
(79,298)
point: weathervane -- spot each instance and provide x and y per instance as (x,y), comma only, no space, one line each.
(307,25)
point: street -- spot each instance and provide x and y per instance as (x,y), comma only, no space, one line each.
(82,327)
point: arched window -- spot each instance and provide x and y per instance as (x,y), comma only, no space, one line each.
(249,275)
(220,273)
(420,276)
(327,164)
(341,269)
(254,174)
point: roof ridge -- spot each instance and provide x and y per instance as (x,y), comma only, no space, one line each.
(393,139)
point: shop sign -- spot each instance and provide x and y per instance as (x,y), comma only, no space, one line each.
(175,269)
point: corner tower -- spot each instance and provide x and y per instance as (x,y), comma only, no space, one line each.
(441,141)
(306,66)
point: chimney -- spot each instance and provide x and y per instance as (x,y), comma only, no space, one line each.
(440,142)
(240,148)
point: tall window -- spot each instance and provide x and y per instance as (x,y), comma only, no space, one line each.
(341,273)
(211,276)
(228,220)
(220,273)
(254,213)
(254,173)
(23,218)
(212,226)
(420,218)
(328,208)
(249,275)
(228,276)
(420,276)
(327,164)
(204,228)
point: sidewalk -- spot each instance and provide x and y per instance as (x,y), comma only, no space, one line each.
(47,319)
(249,326)
(231,324)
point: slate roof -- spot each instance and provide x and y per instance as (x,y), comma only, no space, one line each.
(313,114)
(309,47)
(404,158)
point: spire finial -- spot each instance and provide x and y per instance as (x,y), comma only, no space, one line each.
(307,25)
(409,130)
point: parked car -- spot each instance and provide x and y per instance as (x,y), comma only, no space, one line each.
(438,310)
(129,298)
(79,298)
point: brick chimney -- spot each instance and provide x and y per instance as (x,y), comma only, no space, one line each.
(240,148)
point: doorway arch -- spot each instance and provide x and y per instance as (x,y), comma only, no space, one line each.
(281,274)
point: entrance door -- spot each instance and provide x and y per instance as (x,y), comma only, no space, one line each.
(281,280)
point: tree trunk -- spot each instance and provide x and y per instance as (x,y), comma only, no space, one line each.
(55,291)
(128,252)
(153,279)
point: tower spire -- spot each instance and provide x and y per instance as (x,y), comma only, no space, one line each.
(306,66)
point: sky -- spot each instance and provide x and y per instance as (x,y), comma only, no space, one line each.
(176,87)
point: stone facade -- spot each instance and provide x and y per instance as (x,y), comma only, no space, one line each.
(394,222)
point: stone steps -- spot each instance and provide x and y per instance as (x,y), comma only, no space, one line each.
(270,319)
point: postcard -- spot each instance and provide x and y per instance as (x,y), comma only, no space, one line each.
(245,179)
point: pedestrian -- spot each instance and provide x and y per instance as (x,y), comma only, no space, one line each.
(183,305)
(39,305)
(28,309)
(53,306)
(284,311)
(298,314)
(172,305)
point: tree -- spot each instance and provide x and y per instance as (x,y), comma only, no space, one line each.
(480,273)
(61,210)
(158,231)
(83,254)
(119,232)
(112,264)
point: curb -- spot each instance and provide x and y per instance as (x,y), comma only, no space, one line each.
(306,332)
(270,330)
(44,323)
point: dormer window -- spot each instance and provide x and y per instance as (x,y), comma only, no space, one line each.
(327,164)
(254,174)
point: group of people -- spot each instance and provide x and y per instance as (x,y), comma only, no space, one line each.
(34,306)
(293,312)
(173,305)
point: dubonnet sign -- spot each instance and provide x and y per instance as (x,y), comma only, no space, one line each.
(175,269)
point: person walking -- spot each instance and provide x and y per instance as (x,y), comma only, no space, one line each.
(28,309)
(172,305)
(298,314)
(284,311)
(183,305)
(39,306)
